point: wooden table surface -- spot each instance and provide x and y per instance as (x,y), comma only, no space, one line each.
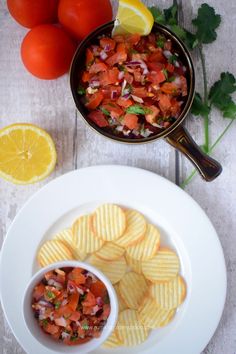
(49,104)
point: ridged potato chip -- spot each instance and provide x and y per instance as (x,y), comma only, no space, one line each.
(122,305)
(153,316)
(83,235)
(110,251)
(109,222)
(135,265)
(135,230)
(67,237)
(133,287)
(129,329)
(112,341)
(114,270)
(147,247)
(164,266)
(53,251)
(169,294)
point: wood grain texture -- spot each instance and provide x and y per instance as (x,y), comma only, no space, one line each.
(49,104)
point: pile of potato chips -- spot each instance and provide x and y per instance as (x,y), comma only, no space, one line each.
(126,248)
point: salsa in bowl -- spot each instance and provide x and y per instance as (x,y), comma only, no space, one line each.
(70,305)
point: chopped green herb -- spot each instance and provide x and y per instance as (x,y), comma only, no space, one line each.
(172,59)
(165,72)
(171,79)
(137,109)
(50,295)
(85,327)
(45,322)
(160,42)
(82,297)
(57,305)
(81,90)
(105,111)
(73,338)
(121,67)
(157,15)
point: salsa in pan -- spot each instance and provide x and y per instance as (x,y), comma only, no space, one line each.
(133,86)
(71,305)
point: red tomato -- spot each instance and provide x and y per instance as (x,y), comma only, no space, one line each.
(80,17)
(31,13)
(47,51)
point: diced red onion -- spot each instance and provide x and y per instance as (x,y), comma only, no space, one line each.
(120,128)
(95,309)
(123,86)
(64,302)
(135,132)
(80,291)
(157,125)
(176,64)
(113,95)
(99,301)
(133,62)
(60,322)
(121,75)
(89,274)
(167,54)
(103,55)
(51,316)
(65,335)
(126,132)
(126,94)
(177,81)
(184,68)
(55,283)
(146,132)
(140,63)
(107,48)
(45,303)
(94,83)
(95,49)
(71,288)
(137,99)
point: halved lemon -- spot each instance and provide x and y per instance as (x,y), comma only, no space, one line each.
(27,153)
(133,17)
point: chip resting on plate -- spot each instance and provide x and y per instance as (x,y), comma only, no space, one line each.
(114,270)
(163,266)
(130,330)
(110,251)
(83,235)
(133,287)
(122,305)
(109,222)
(67,237)
(153,316)
(53,251)
(169,294)
(112,341)
(147,247)
(135,229)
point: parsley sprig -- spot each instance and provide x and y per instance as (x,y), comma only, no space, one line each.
(219,95)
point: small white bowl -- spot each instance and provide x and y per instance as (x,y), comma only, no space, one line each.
(59,347)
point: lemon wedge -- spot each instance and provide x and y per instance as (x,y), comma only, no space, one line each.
(133,17)
(27,153)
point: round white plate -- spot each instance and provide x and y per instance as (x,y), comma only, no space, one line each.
(183,225)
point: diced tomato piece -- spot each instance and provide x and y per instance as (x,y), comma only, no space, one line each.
(38,291)
(98,118)
(87,310)
(76,276)
(164,102)
(75,316)
(129,78)
(169,88)
(89,57)
(73,301)
(184,86)
(109,77)
(155,66)
(157,56)
(97,67)
(140,92)
(133,38)
(124,102)
(119,57)
(85,76)
(131,121)
(98,289)
(107,43)
(50,328)
(152,39)
(175,107)
(63,311)
(94,100)
(90,300)
(170,67)
(151,117)
(110,91)
(156,77)
(114,110)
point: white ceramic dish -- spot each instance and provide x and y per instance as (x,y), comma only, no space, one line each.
(58,347)
(183,225)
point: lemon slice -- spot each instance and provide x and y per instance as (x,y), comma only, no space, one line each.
(133,17)
(27,153)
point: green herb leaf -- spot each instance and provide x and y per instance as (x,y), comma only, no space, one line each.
(81,90)
(57,305)
(73,338)
(50,295)
(165,72)
(137,109)
(45,322)
(206,22)
(157,15)
(187,37)
(198,106)
(172,59)
(160,42)
(105,111)
(171,14)
(85,327)
(220,94)
(171,79)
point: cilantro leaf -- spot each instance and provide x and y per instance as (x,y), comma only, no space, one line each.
(105,111)
(160,42)
(171,14)
(187,37)
(199,108)
(206,22)
(137,109)
(81,90)
(157,15)
(220,94)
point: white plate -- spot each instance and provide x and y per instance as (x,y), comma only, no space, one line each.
(183,225)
